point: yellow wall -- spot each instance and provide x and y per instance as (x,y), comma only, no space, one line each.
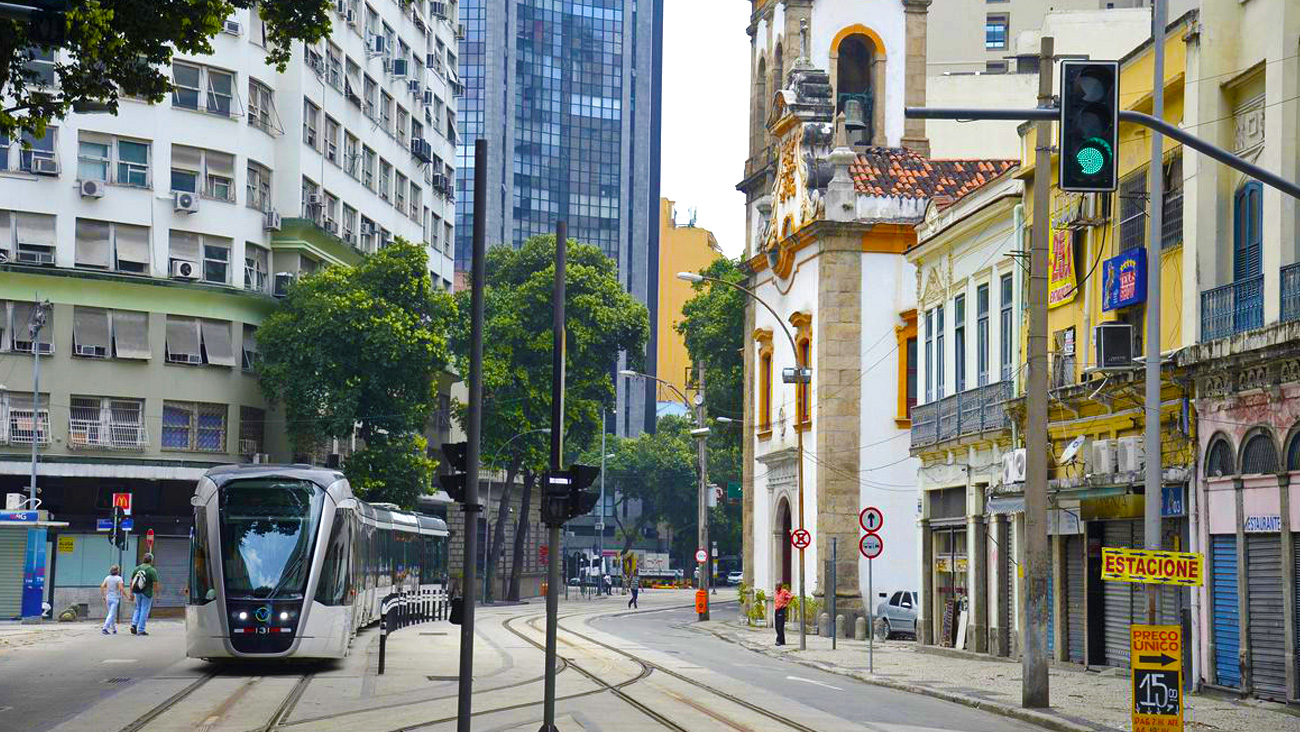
(681,249)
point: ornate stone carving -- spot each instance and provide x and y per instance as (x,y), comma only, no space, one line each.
(1288,371)
(1248,126)
(1254,377)
(787,185)
(1216,385)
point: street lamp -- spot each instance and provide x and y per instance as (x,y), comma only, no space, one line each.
(487,513)
(701,435)
(802,374)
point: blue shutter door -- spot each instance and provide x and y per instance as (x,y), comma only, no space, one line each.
(1225,613)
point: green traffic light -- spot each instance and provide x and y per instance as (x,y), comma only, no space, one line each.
(1090,160)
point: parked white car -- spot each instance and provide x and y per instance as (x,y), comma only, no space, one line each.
(896,616)
(735,578)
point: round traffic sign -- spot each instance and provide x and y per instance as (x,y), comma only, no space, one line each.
(871,545)
(701,556)
(871,519)
(800,538)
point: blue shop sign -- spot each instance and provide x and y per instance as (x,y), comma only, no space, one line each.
(1171,501)
(106,524)
(1124,280)
(17,516)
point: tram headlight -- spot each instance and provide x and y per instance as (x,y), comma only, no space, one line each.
(243,615)
(284,616)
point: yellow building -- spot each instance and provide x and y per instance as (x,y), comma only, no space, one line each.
(1099,250)
(681,249)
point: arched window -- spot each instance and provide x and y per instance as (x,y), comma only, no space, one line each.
(1248,218)
(760,105)
(778,66)
(1259,455)
(854,95)
(1219,462)
(1293,452)
(765,391)
(804,389)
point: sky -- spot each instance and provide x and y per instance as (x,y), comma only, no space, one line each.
(706,114)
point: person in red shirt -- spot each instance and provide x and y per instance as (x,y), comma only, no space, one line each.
(782,601)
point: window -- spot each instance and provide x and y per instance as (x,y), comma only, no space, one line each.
(367,235)
(108,158)
(4,152)
(216,261)
(911,374)
(368,167)
(350,146)
(26,423)
(130,334)
(21,334)
(132,163)
(37,148)
(349,224)
(352,83)
(996,67)
(334,61)
(403,121)
(803,389)
(331,140)
(256,27)
(252,430)
(249,348)
(1063,358)
(417,202)
(370,93)
(1220,461)
(30,237)
(765,389)
(93,159)
(1004,326)
(938,352)
(1247,251)
(187,164)
(216,170)
(42,65)
(108,245)
(1171,222)
(261,107)
(399,193)
(959,341)
(1259,456)
(1133,211)
(435,231)
(106,423)
(90,332)
(995,31)
(331,213)
(386,111)
(258,187)
(447,232)
(195,85)
(310,124)
(982,334)
(256,268)
(193,341)
(194,427)
(385,179)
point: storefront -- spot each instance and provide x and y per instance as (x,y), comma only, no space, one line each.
(949,566)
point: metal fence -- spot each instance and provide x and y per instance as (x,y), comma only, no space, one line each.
(1291,292)
(1233,308)
(967,413)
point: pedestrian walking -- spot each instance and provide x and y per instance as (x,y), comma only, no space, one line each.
(144,583)
(782,602)
(636,588)
(111,591)
(609,585)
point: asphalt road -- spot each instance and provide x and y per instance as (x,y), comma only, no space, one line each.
(858,703)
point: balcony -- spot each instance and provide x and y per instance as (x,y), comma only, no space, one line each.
(1291,292)
(98,434)
(1233,308)
(969,413)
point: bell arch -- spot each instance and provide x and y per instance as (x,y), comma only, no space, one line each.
(857,70)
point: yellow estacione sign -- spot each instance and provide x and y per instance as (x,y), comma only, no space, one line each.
(1152,567)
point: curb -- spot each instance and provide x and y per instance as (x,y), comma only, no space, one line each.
(1045,720)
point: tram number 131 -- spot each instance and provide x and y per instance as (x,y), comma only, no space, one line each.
(1155,692)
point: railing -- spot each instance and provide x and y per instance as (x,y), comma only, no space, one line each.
(970,412)
(23,429)
(1233,308)
(1291,292)
(95,434)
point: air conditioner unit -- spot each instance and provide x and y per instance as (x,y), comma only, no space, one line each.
(92,189)
(45,166)
(185,202)
(352,18)
(231,27)
(422,150)
(1114,345)
(1130,454)
(261,458)
(315,200)
(191,358)
(92,351)
(35,256)
(439,9)
(184,269)
(428,99)
(440,182)
(332,226)
(399,66)
(377,45)
(27,346)
(460,31)
(341,7)
(349,237)
(271,221)
(1101,457)
(367,228)
(282,282)
(413,86)
(1013,466)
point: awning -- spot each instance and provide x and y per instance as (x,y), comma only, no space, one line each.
(999,505)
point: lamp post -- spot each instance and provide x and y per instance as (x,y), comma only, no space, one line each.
(701,435)
(801,375)
(487,514)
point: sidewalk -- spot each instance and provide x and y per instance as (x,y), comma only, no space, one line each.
(1081,700)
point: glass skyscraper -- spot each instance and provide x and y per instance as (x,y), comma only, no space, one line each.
(566,92)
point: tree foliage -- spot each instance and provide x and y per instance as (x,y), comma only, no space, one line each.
(125,47)
(659,471)
(360,347)
(602,320)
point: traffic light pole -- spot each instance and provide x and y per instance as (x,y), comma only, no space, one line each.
(557,456)
(702,455)
(474,423)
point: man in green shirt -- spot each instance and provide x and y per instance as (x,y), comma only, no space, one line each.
(144,583)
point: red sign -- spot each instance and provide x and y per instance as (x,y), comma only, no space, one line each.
(871,545)
(871,519)
(543,552)
(800,538)
(148,539)
(122,501)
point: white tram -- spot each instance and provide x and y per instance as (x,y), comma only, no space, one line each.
(286,563)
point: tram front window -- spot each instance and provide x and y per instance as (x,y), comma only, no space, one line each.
(267,531)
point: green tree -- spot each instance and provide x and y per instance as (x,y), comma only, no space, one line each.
(359,348)
(658,470)
(121,47)
(602,320)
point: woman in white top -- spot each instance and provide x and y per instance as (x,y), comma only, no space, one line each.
(111,590)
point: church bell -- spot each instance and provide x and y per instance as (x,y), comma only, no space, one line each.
(854,115)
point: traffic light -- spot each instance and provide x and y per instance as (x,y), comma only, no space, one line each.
(454,482)
(565,494)
(1089,125)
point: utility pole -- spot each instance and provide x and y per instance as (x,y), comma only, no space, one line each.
(1153,468)
(1034,678)
(600,522)
(702,455)
(557,455)
(474,423)
(35,326)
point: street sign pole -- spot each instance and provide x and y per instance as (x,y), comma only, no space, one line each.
(830,587)
(871,546)
(871,621)
(557,455)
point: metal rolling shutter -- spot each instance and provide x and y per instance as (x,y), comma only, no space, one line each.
(1074,596)
(1009,596)
(1117,597)
(1051,617)
(1226,613)
(1295,546)
(171,557)
(1265,628)
(13,547)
